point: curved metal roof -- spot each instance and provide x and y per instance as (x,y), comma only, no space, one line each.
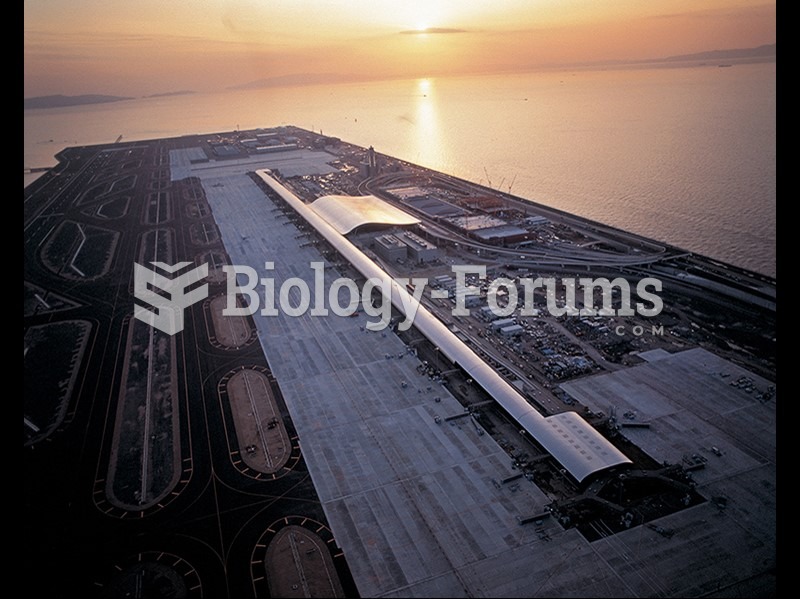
(346,213)
(572,441)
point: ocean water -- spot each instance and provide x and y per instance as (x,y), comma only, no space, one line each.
(683,155)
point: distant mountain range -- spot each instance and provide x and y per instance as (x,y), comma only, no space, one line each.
(59,100)
(165,94)
(765,51)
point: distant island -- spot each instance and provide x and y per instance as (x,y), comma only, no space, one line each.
(184,92)
(765,51)
(60,100)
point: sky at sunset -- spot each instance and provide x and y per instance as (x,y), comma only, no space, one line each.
(155,46)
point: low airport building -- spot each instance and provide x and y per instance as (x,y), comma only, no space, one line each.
(471,297)
(488,314)
(503,322)
(419,250)
(488,229)
(514,330)
(389,247)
